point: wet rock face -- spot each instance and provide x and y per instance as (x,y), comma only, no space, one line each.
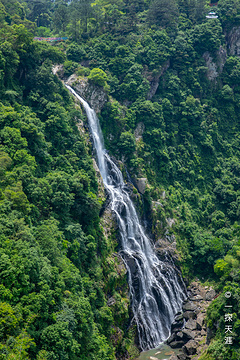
(139,131)
(189,315)
(215,67)
(141,184)
(189,328)
(189,306)
(154,80)
(58,70)
(94,94)
(233,41)
(191,324)
(210,295)
(174,357)
(190,348)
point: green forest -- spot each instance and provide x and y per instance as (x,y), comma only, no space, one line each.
(166,69)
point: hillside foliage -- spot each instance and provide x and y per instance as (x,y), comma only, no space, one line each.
(56,268)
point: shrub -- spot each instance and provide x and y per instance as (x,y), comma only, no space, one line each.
(83,71)
(69,67)
(75,53)
(98,76)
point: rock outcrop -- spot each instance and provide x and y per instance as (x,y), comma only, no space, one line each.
(139,131)
(154,80)
(94,94)
(215,66)
(189,331)
(141,184)
(233,41)
(58,70)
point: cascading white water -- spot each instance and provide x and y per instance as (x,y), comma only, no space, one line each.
(156,288)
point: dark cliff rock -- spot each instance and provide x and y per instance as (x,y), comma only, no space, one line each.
(154,80)
(215,66)
(233,41)
(189,331)
(232,48)
(94,94)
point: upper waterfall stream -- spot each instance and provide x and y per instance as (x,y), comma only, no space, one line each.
(156,287)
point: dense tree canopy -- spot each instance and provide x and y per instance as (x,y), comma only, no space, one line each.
(172,81)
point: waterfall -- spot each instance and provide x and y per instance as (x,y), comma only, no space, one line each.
(156,288)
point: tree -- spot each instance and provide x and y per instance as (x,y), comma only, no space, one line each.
(194,9)
(9,63)
(61,17)
(229,11)
(98,76)
(14,7)
(12,140)
(149,113)
(207,36)
(127,143)
(75,52)
(183,53)
(163,13)
(80,10)
(59,342)
(231,71)
(3,15)
(40,12)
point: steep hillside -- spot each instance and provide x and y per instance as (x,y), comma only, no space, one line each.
(57,268)
(172,117)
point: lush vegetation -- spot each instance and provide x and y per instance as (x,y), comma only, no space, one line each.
(150,57)
(56,266)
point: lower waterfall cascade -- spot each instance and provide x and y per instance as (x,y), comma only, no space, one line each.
(156,288)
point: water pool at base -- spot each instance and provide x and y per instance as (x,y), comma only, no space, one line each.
(162,352)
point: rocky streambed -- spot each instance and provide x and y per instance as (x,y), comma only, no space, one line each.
(189,331)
